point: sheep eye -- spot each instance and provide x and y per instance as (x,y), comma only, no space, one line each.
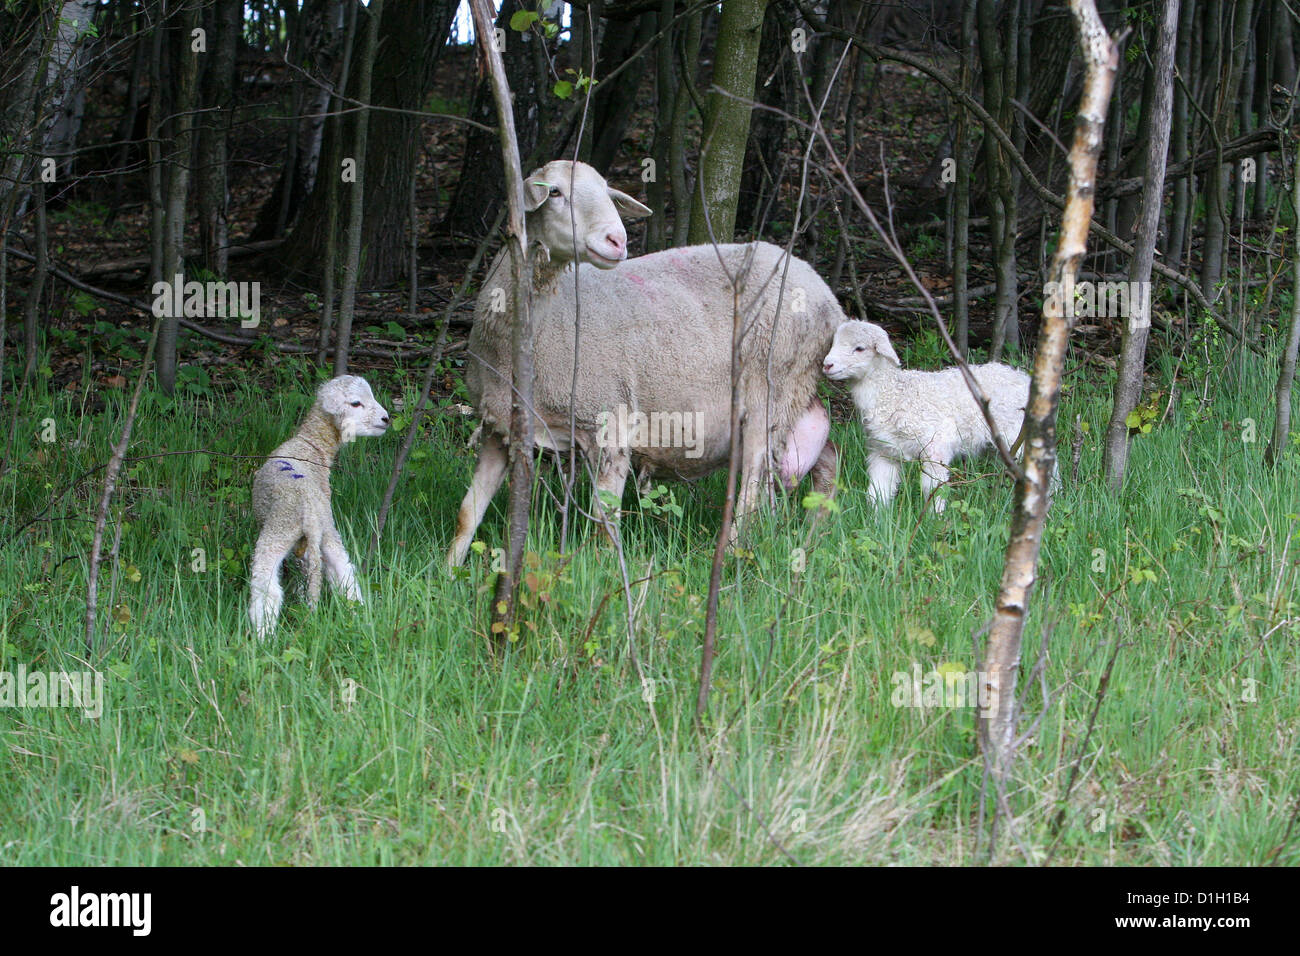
(555,192)
(860,348)
(356,404)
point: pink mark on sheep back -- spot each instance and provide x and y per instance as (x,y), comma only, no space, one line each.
(805,444)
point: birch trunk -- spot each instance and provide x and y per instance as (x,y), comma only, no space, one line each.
(997,723)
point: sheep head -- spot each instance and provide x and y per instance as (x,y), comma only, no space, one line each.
(858,348)
(568,201)
(351,406)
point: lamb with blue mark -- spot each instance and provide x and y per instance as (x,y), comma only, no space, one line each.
(291,499)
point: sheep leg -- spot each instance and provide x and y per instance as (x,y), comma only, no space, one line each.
(267,594)
(489,473)
(883,474)
(826,470)
(309,558)
(754,478)
(612,467)
(934,472)
(339,570)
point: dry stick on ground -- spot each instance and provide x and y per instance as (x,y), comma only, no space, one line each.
(110,481)
(1002,661)
(992,128)
(521,419)
(417,417)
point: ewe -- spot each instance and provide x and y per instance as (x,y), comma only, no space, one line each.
(929,417)
(655,347)
(291,499)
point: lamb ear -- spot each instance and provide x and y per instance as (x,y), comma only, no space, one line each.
(885,350)
(629,207)
(536,192)
(330,395)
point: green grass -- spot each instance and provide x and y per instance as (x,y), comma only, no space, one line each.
(389,734)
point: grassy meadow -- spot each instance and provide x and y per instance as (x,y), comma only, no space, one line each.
(391,734)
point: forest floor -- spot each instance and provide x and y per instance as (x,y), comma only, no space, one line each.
(390,733)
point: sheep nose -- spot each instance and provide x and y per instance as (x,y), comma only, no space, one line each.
(385,419)
(619,242)
(827,366)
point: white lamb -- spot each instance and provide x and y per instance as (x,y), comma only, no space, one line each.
(291,499)
(929,417)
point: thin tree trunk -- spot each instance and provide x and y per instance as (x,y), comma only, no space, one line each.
(997,722)
(521,344)
(961,192)
(214,238)
(333,173)
(1132,358)
(681,183)
(178,184)
(1180,211)
(157,216)
(356,197)
(666,93)
(726,131)
(1286,376)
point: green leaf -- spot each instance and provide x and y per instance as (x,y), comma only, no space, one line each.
(523,19)
(563,89)
(1133,420)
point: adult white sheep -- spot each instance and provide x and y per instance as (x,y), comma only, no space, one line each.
(655,345)
(930,417)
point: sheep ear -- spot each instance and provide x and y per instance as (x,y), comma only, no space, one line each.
(535,193)
(330,397)
(629,207)
(885,350)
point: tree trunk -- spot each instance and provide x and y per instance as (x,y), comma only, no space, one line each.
(767,129)
(667,89)
(478,190)
(412,34)
(996,61)
(726,131)
(1286,376)
(997,723)
(1132,359)
(357,193)
(961,192)
(614,100)
(1180,210)
(186,63)
(218,85)
(681,182)
(522,372)
(1216,195)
